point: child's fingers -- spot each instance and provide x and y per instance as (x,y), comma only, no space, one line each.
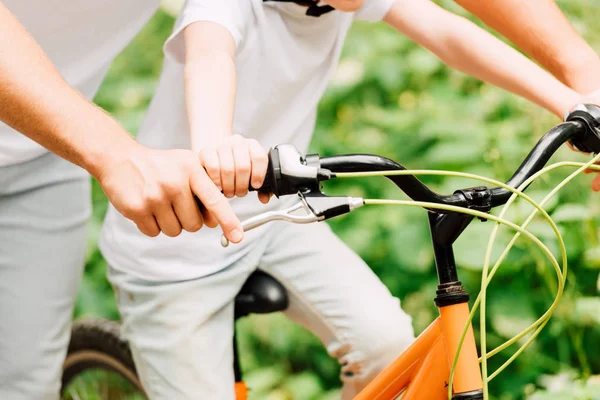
(260,162)
(243,167)
(210,161)
(227,165)
(264,197)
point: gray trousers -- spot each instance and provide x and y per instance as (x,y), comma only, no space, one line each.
(44,207)
(181,332)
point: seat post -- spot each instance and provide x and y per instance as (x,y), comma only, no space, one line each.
(237,371)
(241,390)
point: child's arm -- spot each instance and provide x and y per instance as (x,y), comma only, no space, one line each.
(209,83)
(541,30)
(468,48)
(232,162)
(153,188)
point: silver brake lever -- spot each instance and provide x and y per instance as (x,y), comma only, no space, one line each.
(280,215)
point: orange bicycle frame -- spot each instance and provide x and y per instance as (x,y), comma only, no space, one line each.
(423,370)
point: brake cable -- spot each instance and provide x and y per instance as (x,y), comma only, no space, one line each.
(486,280)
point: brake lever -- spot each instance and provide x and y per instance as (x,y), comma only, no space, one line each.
(280,215)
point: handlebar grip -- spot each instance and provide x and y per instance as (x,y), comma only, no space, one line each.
(289,172)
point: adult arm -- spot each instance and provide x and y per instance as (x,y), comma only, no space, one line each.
(151,187)
(540,29)
(464,46)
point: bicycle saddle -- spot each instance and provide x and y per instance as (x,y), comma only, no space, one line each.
(260,294)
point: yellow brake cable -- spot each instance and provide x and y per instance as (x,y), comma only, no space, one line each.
(486,280)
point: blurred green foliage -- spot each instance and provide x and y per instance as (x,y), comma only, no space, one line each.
(393,98)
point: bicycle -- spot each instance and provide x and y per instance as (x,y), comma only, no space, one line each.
(443,362)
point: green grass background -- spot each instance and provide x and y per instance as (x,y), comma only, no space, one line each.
(393,98)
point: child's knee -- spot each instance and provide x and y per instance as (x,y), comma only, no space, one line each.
(372,349)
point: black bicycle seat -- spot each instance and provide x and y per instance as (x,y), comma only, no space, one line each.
(260,294)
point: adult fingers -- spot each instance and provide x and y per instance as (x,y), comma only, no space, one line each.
(217,205)
(596,184)
(147,225)
(140,213)
(209,219)
(166,219)
(188,211)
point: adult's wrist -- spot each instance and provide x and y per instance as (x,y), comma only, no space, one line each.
(118,148)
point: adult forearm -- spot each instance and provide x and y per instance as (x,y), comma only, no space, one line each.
(477,53)
(464,46)
(539,28)
(36,101)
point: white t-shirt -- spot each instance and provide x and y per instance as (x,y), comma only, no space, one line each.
(283,62)
(81,37)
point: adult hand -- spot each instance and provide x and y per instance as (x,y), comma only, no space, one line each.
(156,189)
(592,98)
(235,164)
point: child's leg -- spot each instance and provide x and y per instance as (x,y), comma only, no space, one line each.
(335,294)
(181,333)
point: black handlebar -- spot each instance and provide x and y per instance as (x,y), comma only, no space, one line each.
(411,185)
(538,157)
(289,172)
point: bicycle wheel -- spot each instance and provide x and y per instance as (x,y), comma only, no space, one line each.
(99,365)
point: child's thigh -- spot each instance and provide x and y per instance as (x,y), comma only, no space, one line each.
(181,333)
(323,275)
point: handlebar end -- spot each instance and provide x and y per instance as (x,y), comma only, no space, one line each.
(588,115)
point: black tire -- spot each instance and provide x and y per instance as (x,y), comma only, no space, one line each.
(96,345)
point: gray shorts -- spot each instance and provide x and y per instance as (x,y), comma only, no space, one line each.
(44,207)
(181,332)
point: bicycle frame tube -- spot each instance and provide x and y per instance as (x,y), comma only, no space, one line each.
(241,391)
(422,371)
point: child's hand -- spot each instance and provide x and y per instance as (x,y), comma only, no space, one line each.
(235,164)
